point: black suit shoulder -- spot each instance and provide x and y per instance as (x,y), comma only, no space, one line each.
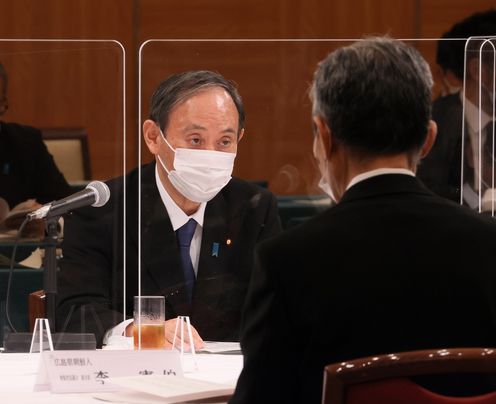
(14,130)
(412,269)
(440,169)
(238,195)
(346,218)
(25,141)
(448,108)
(130,183)
(447,112)
(238,191)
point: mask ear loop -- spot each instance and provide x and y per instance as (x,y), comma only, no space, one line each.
(170,147)
(165,140)
(163,165)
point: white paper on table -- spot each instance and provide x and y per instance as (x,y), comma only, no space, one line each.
(221,347)
(173,389)
(119,342)
(90,371)
(130,397)
(42,382)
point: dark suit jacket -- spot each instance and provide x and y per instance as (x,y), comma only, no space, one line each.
(27,169)
(92,267)
(440,169)
(391,267)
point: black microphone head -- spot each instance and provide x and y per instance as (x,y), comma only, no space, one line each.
(102,193)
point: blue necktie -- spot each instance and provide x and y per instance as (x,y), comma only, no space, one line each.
(184,237)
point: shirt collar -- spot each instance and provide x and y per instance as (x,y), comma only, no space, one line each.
(376,172)
(177,216)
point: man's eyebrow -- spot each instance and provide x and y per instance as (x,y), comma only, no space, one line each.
(195,126)
(229,130)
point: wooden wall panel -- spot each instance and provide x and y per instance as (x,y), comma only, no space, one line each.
(65,84)
(274,19)
(272,80)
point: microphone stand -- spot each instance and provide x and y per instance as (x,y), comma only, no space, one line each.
(50,268)
(21,341)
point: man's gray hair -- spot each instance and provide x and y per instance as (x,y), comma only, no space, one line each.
(375,96)
(180,87)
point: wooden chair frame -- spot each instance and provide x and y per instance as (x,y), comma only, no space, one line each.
(71,134)
(338,377)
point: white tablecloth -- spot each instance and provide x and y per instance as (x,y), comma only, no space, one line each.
(18,375)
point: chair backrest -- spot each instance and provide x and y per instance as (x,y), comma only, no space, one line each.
(69,148)
(385,378)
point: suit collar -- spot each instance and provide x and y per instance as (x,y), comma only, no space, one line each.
(378,171)
(384,185)
(176,214)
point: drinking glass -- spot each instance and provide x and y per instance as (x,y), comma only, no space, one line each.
(149,318)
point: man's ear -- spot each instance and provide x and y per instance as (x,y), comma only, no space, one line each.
(241,133)
(324,134)
(151,134)
(429,140)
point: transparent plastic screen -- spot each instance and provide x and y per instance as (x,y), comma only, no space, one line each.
(62,126)
(275,183)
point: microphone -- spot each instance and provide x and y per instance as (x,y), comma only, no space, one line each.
(96,194)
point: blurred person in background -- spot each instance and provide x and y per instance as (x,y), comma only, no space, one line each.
(28,174)
(441,169)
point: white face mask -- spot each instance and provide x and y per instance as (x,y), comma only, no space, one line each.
(199,175)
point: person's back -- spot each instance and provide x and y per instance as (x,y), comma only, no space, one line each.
(391,267)
(377,274)
(28,170)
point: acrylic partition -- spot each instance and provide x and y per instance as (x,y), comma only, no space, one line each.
(275,153)
(62,126)
(477,168)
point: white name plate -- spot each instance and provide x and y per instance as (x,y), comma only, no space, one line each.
(88,371)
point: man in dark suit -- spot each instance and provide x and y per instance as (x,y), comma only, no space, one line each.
(441,170)
(196,122)
(391,267)
(27,169)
